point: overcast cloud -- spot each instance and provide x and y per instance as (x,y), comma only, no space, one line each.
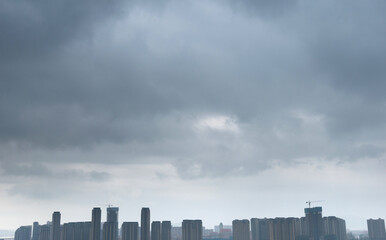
(169,104)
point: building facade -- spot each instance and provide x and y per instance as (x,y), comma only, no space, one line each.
(376,229)
(166,230)
(129,231)
(334,228)
(145,224)
(313,222)
(110,231)
(240,229)
(23,233)
(156,230)
(55,232)
(191,230)
(95,233)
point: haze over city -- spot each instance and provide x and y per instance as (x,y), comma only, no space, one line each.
(214,110)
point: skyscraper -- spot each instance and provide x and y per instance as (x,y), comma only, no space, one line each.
(95,233)
(259,229)
(129,231)
(334,228)
(110,231)
(284,228)
(85,230)
(55,227)
(23,233)
(76,231)
(156,230)
(145,224)
(45,232)
(314,223)
(376,229)
(191,230)
(166,230)
(240,229)
(68,231)
(35,231)
(112,216)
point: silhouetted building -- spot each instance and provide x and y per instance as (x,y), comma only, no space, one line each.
(112,216)
(68,231)
(166,230)
(191,230)
(313,222)
(240,229)
(23,233)
(55,226)
(76,231)
(283,228)
(95,233)
(259,229)
(376,229)
(45,232)
(334,228)
(145,224)
(110,230)
(35,231)
(156,230)
(129,231)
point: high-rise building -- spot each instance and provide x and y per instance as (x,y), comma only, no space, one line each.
(23,233)
(35,231)
(129,231)
(259,229)
(95,233)
(76,231)
(145,224)
(85,230)
(45,232)
(55,226)
(112,216)
(284,228)
(68,231)
(156,230)
(314,223)
(110,231)
(376,229)
(166,230)
(240,229)
(334,228)
(191,230)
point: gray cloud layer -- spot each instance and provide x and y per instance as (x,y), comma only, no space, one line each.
(299,79)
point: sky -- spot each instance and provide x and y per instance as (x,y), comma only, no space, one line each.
(214,110)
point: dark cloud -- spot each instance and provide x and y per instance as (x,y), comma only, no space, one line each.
(265,8)
(300,79)
(33,29)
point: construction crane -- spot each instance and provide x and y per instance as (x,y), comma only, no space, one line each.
(106,205)
(309,202)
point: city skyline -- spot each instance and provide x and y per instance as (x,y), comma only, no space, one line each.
(214,110)
(312,226)
(97,213)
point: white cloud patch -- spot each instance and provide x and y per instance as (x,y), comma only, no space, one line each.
(218,123)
